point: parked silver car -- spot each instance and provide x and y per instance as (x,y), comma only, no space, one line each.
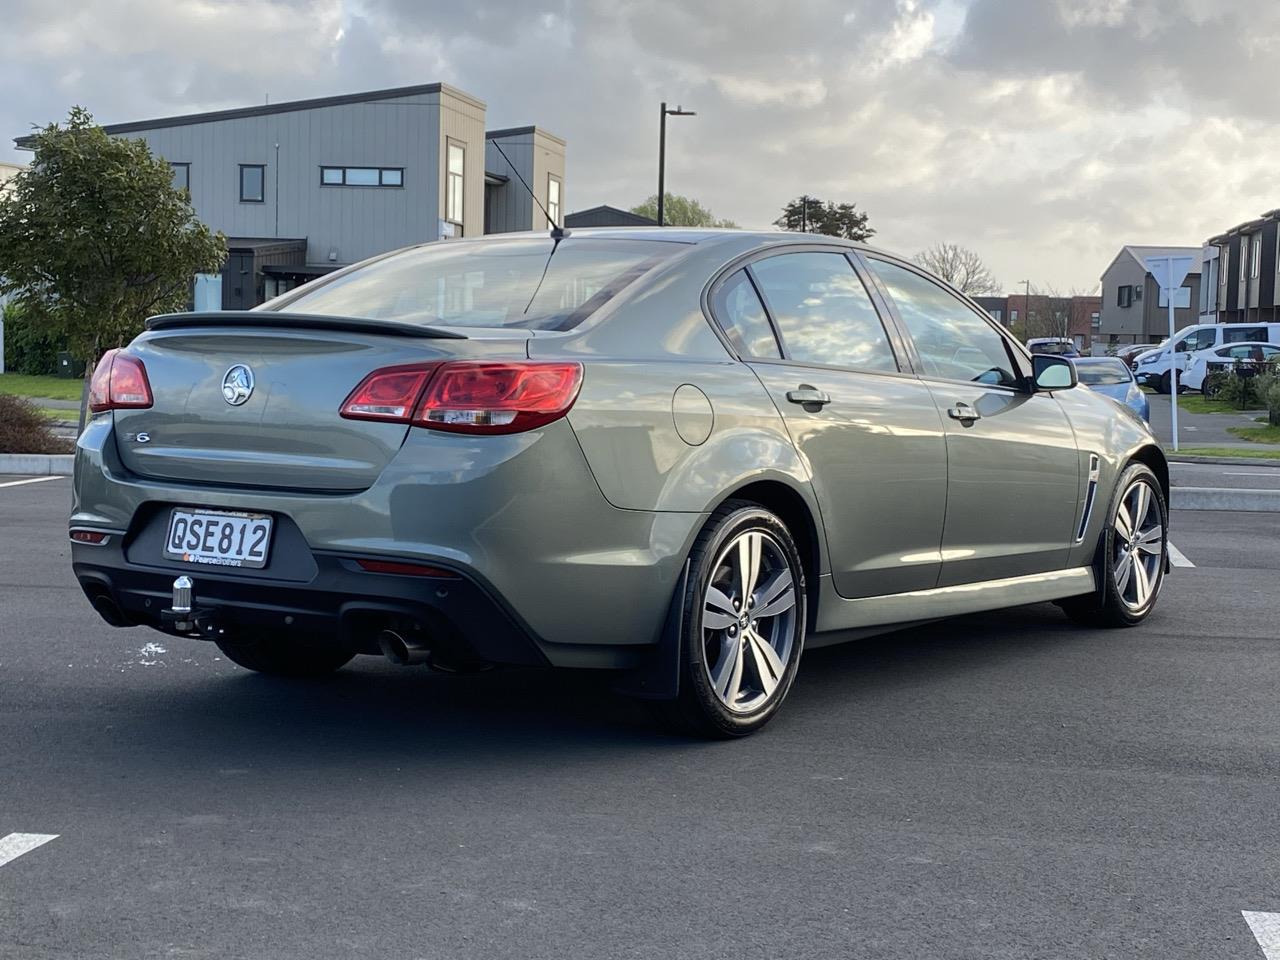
(681,455)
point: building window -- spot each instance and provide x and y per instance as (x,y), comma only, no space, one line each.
(181,176)
(1124,296)
(1244,260)
(1095,320)
(996,314)
(455,182)
(253,178)
(1013,316)
(553,198)
(1256,257)
(362,176)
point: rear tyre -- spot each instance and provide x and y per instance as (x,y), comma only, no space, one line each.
(1133,554)
(1166,383)
(284,656)
(744,624)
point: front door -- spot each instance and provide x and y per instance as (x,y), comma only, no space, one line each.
(870,434)
(1013,496)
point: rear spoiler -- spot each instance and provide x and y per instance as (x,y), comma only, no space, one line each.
(298,321)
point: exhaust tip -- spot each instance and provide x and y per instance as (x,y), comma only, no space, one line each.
(108,610)
(400,651)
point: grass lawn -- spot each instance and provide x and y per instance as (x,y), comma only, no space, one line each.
(1261,453)
(71,416)
(1196,403)
(52,388)
(1267,434)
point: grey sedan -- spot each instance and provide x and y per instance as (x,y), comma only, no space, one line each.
(682,456)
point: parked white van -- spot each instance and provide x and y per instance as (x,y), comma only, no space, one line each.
(1153,367)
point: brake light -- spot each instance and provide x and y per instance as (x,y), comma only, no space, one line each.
(119,383)
(490,397)
(389,394)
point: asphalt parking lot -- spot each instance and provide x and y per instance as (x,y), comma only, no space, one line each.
(1006,785)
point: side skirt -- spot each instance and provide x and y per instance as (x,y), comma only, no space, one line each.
(835,613)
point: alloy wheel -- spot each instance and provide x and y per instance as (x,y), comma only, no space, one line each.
(749,621)
(1138,545)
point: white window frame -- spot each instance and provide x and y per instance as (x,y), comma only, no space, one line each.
(452,214)
(553,205)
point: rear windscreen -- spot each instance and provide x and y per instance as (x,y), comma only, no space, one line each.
(535,283)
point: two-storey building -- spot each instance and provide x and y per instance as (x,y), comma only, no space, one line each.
(303,187)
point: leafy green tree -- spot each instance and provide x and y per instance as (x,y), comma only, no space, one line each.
(95,238)
(807,214)
(678,211)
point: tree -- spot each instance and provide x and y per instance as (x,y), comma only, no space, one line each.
(960,267)
(678,211)
(95,238)
(807,214)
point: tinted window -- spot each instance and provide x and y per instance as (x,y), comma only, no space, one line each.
(532,283)
(738,308)
(953,341)
(823,311)
(1244,334)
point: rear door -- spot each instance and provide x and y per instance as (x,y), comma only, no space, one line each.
(1014,481)
(869,432)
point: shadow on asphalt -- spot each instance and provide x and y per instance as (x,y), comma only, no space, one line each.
(370,714)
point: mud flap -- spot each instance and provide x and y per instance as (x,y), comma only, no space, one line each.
(658,677)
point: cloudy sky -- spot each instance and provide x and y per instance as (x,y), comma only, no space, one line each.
(1041,133)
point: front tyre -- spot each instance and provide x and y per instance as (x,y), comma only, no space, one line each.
(1134,554)
(744,623)
(284,656)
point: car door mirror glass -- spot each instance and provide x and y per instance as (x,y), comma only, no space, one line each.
(1053,373)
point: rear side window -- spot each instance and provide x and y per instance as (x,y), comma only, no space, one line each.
(823,311)
(741,314)
(1244,334)
(954,342)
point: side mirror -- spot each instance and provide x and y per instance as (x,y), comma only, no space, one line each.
(1053,373)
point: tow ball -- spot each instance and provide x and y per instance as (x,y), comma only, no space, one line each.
(182,615)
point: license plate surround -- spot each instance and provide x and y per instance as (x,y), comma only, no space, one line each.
(239,558)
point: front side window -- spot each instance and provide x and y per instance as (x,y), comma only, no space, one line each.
(252,182)
(737,307)
(1200,340)
(823,312)
(531,284)
(454,182)
(953,341)
(553,198)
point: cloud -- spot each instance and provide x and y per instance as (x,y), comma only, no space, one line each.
(1042,133)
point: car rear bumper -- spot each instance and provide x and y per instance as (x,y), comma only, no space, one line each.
(452,613)
(538,551)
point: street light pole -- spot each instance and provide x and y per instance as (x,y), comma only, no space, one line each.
(1026,307)
(663,113)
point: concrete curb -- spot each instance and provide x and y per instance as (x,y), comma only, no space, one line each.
(1225,498)
(37,464)
(1221,461)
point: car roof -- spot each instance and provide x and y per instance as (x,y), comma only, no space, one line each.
(1080,360)
(710,234)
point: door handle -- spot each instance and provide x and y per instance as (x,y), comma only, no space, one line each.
(964,413)
(806,395)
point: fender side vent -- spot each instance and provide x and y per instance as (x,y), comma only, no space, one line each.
(1090,495)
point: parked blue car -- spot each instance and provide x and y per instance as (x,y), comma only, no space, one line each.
(1112,377)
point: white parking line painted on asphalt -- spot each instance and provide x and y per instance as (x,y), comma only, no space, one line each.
(19,483)
(16,844)
(1266,930)
(1178,558)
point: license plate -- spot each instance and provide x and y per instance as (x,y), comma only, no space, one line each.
(218,538)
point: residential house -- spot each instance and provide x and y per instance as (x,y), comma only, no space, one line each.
(1243,264)
(301,188)
(1133,309)
(7,172)
(607,216)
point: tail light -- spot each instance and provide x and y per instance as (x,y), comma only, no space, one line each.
(478,397)
(388,394)
(119,383)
